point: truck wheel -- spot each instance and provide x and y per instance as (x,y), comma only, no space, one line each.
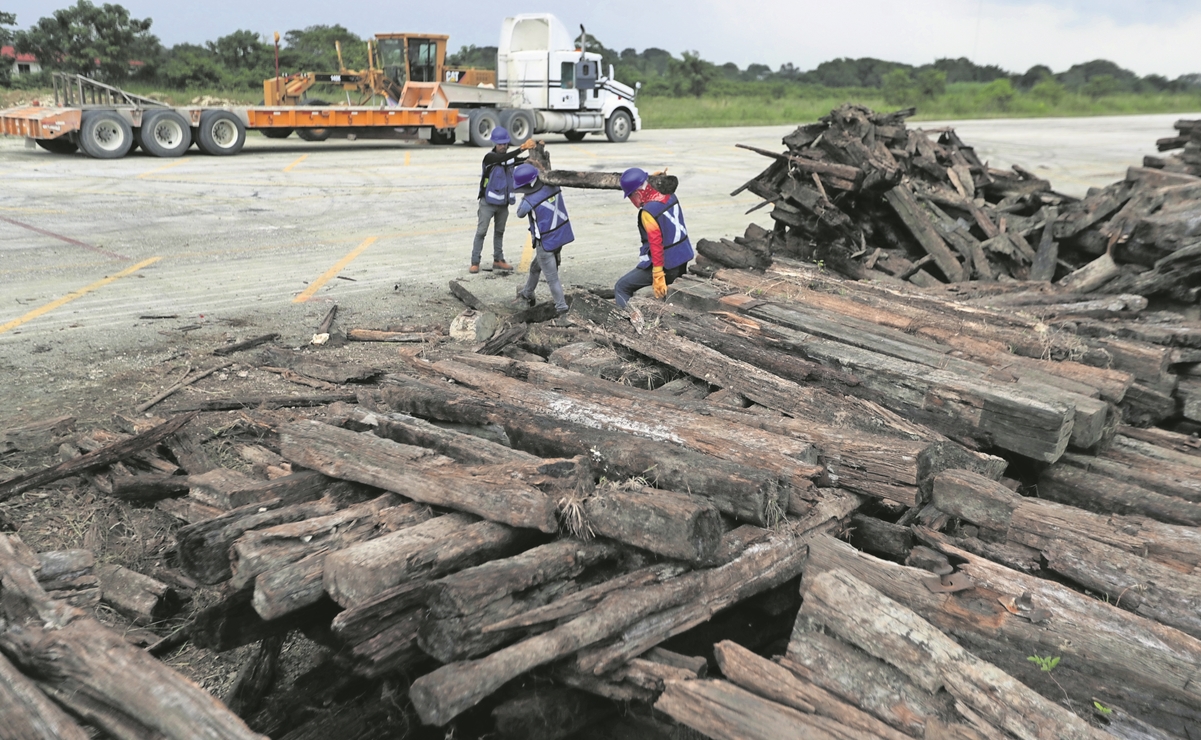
(58,146)
(104,135)
(220,133)
(276,133)
(313,134)
(520,124)
(618,127)
(481,121)
(165,133)
(575,135)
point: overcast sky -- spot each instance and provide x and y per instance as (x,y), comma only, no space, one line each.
(1147,36)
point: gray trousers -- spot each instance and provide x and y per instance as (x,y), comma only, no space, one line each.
(545,263)
(487,213)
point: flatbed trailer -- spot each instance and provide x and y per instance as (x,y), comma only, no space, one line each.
(106,122)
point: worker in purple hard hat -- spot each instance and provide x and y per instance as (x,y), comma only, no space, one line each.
(666,249)
(495,197)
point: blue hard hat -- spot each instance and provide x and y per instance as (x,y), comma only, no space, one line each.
(500,135)
(632,179)
(524,174)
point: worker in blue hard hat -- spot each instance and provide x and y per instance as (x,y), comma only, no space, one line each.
(495,197)
(550,227)
(666,249)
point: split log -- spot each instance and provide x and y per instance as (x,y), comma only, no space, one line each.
(96,675)
(468,298)
(139,597)
(409,430)
(417,474)
(270,548)
(1161,476)
(850,674)
(364,621)
(246,344)
(373,335)
(549,714)
(1045,260)
(93,460)
(393,648)
(903,202)
(28,714)
(35,435)
(299,584)
(674,525)
(665,184)
(450,690)
(1108,653)
(188,450)
(775,682)
(1086,490)
(204,546)
(266,402)
(745,493)
(887,630)
(361,572)
(255,678)
(330,372)
(144,488)
(723,711)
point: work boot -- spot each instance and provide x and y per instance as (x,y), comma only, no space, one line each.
(473,269)
(502,265)
(523,298)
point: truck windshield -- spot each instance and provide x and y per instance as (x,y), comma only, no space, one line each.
(423,60)
(392,59)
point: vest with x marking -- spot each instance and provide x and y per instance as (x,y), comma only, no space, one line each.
(677,249)
(549,222)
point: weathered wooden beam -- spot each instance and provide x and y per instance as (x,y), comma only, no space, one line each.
(28,714)
(905,205)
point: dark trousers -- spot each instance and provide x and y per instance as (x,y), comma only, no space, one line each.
(639,278)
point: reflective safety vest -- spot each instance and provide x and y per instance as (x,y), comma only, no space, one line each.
(549,222)
(677,250)
(497,184)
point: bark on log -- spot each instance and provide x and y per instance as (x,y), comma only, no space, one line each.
(1161,476)
(267,549)
(28,714)
(204,546)
(723,711)
(359,573)
(392,649)
(417,474)
(1108,653)
(450,690)
(1078,487)
(739,491)
(96,675)
(137,596)
(673,525)
(777,683)
(93,460)
(665,184)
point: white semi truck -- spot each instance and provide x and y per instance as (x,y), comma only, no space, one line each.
(545,84)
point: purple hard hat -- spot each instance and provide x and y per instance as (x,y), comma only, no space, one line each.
(632,179)
(524,174)
(500,135)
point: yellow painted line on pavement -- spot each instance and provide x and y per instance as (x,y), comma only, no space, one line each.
(660,149)
(30,210)
(298,161)
(156,170)
(333,271)
(408,157)
(527,254)
(77,294)
(578,148)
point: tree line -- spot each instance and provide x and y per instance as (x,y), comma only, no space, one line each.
(102,41)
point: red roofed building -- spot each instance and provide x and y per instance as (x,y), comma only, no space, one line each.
(20,64)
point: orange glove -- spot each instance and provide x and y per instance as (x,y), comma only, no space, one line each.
(528,144)
(660,282)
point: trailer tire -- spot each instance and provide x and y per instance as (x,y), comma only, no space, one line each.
(313,134)
(165,133)
(520,124)
(481,121)
(276,133)
(618,127)
(104,135)
(220,133)
(58,146)
(574,135)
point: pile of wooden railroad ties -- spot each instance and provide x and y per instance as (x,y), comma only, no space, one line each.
(784,504)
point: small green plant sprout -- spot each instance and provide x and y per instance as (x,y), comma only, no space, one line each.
(1101,707)
(1046,663)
